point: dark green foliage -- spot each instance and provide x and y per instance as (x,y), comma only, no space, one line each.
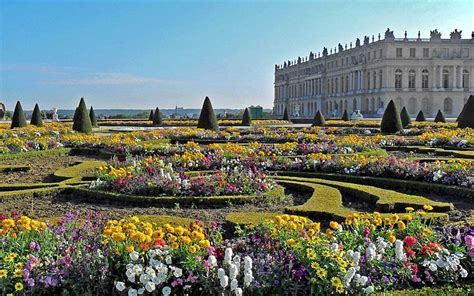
(207,118)
(405,117)
(439,117)
(150,118)
(466,118)
(92,117)
(82,121)
(157,118)
(286,116)
(345,116)
(319,119)
(421,116)
(391,121)
(246,119)
(36,117)
(18,119)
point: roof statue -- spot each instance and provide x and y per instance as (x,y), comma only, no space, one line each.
(325,51)
(340,47)
(455,34)
(366,40)
(357,42)
(435,34)
(389,34)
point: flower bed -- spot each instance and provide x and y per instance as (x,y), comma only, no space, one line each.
(366,254)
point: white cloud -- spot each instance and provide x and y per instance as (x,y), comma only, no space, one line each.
(109,79)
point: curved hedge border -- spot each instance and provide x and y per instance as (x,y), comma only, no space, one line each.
(249,218)
(78,172)
(35,153)
(276,193)
(388,183)
(385,200)
(8,168)
(461,153)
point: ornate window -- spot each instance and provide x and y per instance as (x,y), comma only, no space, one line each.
(448,105)
(445,78)
(411,79)
(399,52)
(412,105)
(465,79)
(398,78)
(426,106)
(424,78)
(399,103)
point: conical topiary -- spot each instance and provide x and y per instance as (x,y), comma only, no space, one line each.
(286,116)
(345,115)
(157,118)
(150,118)
(36,116)
(18,119)
(466,119)
(92,117)
(420,117)
(319,119)
(82,121)
(391,122)
(405,117)
(440,117)
(207,118)
(247,119)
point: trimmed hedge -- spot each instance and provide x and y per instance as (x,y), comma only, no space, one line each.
(250,218)
(31,193)
(164,219)
(391,122)
(35,153)
(385,200)
(319,119)
(345,116)
(440,117)
(420,117)
(36,116)
(405,117)
(82,122)
(246,118)
(157,118)
(18,119)
(466,117)
(469,154)
(77,172)
(207,118)
(92,117)
(25,186)
(8,168)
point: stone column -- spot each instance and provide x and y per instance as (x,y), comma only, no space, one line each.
(440,77)
(418,79)
(405,79)
(461,71)
(455,76)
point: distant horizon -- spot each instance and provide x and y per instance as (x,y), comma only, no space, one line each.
(118,54)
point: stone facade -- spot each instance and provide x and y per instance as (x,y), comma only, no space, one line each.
(420,74)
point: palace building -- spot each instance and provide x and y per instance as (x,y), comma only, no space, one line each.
(420,74)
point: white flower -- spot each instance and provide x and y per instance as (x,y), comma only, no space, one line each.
(132,292)
(144,278)
(150,287)
(248,278)
(212,260)
(247,263)
(134,255)
(233,271)
(440,263)
(220,273)
(348,276)
(228,255)
(166,291)
(370,252)
(120,286)
(399,253)
(238,292)
(178,272)
(362,280)
(141,291)
(224,281)
(150,271)
(369,290)
(334,247)
(168,260)
(234,284)
(463,272)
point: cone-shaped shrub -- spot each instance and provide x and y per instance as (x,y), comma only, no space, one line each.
(345,116)
(92,117)
(18,119)
(150,118)
(439,117)
(36,116)
(405,117)
(82,121)
(247,119)
(421,116)
(391,122)
(286,116)
(207,118)
(466,118)
(319,119)
(157,118)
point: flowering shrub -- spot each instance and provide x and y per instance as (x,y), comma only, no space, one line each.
(152,176)
(366,253)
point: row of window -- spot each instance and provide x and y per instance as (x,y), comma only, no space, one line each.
(446,81)
(426,52)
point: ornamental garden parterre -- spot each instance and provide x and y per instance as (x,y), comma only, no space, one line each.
(236,207)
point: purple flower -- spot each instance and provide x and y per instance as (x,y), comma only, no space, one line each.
(34,246)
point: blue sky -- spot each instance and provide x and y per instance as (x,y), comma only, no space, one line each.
(142,54)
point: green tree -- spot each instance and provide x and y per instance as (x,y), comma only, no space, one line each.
(345,115)
(82,121)
(420,117)
(18,119)
(246,118)
(150,118)
(36,117)
(92,117)
(319,119)
(391,121)
(207,118)
(157,118)
(466,119)
(440,117)
(405,117)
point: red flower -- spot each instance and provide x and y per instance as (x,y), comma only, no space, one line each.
(144,246)
(410,252)
(159,242)
(414,269)
(410,240)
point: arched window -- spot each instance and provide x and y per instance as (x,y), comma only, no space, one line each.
(426,106)
(354,105)
(379,103)
(424,78)
(411,79)
(336,85)
(399,103)
(372,105)
(368,80)
(448,105)
(366,105)
(347,83)
(412,105)
(445,78)
(465,79)
(345,105)
(398,78)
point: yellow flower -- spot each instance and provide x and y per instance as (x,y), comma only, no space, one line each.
(3,273)
(205,243)
(334,225)
(335,281)
(186,240)
(314,265)
(321,272)
(130,248)
(174,245)
(290,242)
(392,238)
(18,273)
(340,289)
(118,236)
(8,223)
(401,225)
(18,287)
(192,249)
(409,209)
(427,208)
